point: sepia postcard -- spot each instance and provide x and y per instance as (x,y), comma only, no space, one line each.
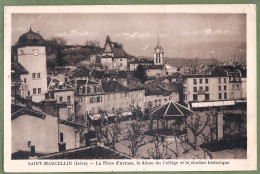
(130,88)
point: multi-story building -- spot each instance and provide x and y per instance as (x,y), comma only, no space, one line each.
(144,62)
(32,127)
(114,56)
(120,96)
(219,87)
(89,98)
(160,93)
(63,93)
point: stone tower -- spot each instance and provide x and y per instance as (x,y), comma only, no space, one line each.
(31,54)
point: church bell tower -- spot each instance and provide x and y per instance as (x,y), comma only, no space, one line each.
(158,55)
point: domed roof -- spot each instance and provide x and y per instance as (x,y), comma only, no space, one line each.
(31,39)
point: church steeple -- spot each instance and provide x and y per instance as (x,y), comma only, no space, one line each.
(158,55)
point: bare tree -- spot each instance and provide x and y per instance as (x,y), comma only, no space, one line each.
(196,125)
(150,117)
(160,148)
(111,131)
(135,136)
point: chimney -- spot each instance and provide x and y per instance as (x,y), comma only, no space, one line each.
(29,102)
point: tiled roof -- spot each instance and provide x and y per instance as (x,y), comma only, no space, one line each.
(141,61)
(70,123)
(93,152)
(18,68)
(122,74)
(230,68)
(97,74)
(155,67)
(113,86)
(18,111)
(119,52)
(82,72)
(168,86)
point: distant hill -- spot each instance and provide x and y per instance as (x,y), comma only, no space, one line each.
(72,55)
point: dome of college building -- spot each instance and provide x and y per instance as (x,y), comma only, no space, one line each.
(31,39)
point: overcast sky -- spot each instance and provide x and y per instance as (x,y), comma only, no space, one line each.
(181,35)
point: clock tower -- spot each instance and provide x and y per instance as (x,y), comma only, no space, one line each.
(31,54)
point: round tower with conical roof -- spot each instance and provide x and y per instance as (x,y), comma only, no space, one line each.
(31,54)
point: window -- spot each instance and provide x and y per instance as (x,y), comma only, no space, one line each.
(195,97)
(219,96)
(225,87)
(201,88)
(60,99)
(98,99)
(92,100)
(155,102)
(194,89)
(38,75)
(206,96)
(206,80)
(24,80)
(237,86)
(225,95)
(22,52)
(206,88)
(29,93)
(195,81)
(68,98)
(200,81)
(185,96)
(219,88)
(33,75)
(34,90)
(219,80)
(88,89)
(39,90)
(225,80)
(69,112)
(184,89)
(159,101)
(165,100)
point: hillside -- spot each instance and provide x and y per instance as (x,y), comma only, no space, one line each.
(187,61)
